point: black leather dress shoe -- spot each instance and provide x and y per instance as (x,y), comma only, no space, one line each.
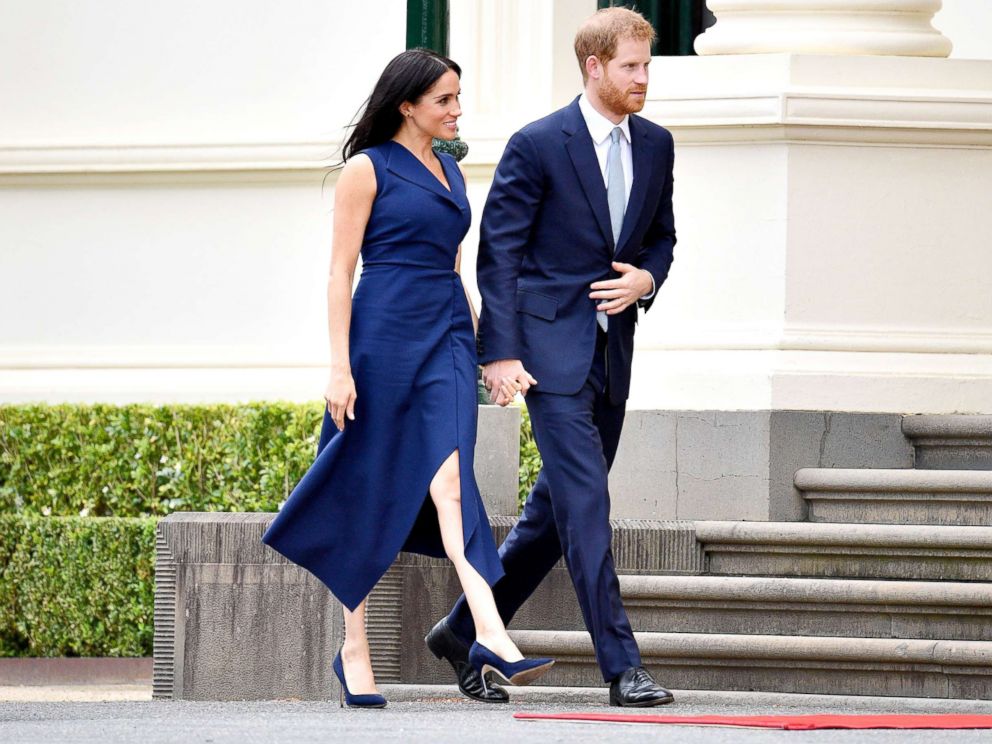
(444,644)
(636,688)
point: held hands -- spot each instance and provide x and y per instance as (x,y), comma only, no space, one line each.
(340,396)
(504,379)
(618,294)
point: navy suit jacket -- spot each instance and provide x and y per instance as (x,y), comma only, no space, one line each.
(546,236)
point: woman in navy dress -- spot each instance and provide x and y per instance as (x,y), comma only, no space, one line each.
(394,469)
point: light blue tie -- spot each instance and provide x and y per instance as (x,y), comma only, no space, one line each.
(615,197)
(615,191)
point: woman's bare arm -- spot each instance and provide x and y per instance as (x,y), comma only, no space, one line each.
(468,297)
(458,270)
(353,197)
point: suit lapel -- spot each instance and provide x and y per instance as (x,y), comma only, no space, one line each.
(404,164)
(642,155)
(583,154)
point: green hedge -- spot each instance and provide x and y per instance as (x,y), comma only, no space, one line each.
(76,586)
(143,460)
(83,586)
(530,459)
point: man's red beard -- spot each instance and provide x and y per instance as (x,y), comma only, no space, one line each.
(619,101)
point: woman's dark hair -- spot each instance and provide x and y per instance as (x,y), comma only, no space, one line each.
(406,78)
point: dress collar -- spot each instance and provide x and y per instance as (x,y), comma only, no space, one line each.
(408,166)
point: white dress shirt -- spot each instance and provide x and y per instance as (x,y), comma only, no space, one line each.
(600,129)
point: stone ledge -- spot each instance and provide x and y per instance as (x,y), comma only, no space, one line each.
(933,497)
(75,671)
(809,607)
(947,427)
(229,611)
(863,551)
(880,480)
(861,666)
(639,546)
(666,468)
(950,442)
(881,535)
(974,509)
(775,589)
(567,644)
(228,614)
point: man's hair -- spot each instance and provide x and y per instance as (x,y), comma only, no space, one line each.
(599,35)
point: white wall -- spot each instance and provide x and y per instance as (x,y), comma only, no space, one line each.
(968,24)
(223,71)
(891,242)
(163,230)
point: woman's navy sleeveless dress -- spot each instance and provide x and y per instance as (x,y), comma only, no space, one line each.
(365,498)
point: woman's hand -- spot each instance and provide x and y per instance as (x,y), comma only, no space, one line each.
(506,392)
(340,396)
(504,379)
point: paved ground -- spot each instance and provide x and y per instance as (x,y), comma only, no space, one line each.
(126,714)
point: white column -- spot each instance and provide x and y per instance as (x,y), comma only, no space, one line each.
(518,64)
(832,209)
(878,27)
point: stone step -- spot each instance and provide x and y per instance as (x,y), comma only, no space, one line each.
(944,497)
(860,551)
(809,607)
(801,664)
(954,442)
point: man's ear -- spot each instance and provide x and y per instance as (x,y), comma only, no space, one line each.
(594,67)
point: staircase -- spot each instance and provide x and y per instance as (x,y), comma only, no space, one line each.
(885,589)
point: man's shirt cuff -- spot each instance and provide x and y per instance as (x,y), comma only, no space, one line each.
(654,289)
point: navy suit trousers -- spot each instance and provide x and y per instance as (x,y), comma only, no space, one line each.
(568,512)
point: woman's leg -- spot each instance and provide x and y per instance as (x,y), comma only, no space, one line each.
(355,657)
(446,493)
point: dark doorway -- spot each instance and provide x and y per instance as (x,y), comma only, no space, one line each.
(677,22)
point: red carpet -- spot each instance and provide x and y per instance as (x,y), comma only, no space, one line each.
(789,723)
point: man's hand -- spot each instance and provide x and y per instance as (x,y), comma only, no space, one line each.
(504,379)
(618,294)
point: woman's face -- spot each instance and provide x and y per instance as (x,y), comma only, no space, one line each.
(437,111)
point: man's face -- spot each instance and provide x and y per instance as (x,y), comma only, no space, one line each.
(624,85)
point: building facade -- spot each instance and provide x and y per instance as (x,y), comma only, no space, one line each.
(166,216)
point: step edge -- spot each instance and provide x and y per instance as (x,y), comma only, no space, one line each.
(887,480)
(950,426)
(843,533)
(788,589)
(771,647)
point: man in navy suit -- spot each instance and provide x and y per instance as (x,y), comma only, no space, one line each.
(577,233)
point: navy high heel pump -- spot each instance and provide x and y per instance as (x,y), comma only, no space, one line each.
(355,701)
(521,672)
